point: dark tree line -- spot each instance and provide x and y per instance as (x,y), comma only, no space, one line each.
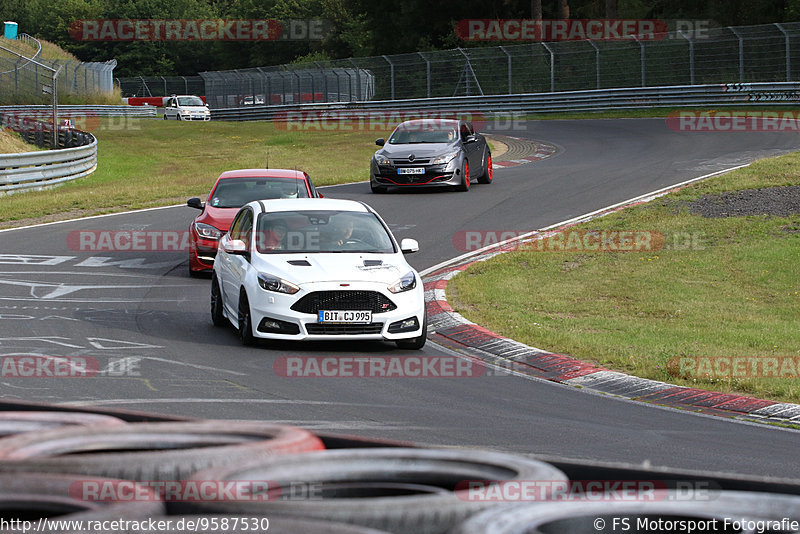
(357,27)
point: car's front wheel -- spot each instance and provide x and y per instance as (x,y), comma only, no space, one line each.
(217,316)
(245,321)
(464,185)
(488,172)
(415,343)
(165,116)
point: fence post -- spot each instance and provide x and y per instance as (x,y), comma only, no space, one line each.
(691,57)
(741,54)
(503,48)
(552,67)
(391,73)
(596,60)
(324,79)
(427,71)
(787,53)
(641,59)
(358,80)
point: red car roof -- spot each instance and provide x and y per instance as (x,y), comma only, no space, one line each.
(263,173)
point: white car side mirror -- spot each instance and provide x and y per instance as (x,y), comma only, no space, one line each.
(409,246)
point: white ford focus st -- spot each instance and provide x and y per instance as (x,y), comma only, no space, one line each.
(317,269)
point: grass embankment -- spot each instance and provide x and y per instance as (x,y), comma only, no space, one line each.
(12,143)
(144,163)
(719,288)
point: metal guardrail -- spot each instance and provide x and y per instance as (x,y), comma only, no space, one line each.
(44,169)
(82,111)
(732,94)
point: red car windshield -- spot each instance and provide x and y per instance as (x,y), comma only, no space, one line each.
(236,192)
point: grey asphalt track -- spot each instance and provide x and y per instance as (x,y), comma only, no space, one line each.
(146,322)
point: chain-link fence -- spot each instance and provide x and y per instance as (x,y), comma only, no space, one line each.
(764,53)
(161,85)
(24,80)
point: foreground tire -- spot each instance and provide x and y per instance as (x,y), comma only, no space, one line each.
(488,173)
(12,423)
(465,178)
(224,524)
(413,491)
(585,517)
(217,317)
(150,451)
(245,322)
(417,342)
(70,498)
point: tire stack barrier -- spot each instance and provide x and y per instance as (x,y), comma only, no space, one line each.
(361,486)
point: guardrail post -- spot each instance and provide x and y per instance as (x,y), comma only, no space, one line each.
(552,68)
(391,73)
(55,107)
(503,48)
(787,52)
(691,57)
(427,71)
(741,53)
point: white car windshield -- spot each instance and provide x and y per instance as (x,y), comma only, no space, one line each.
(190,101)
(322,231)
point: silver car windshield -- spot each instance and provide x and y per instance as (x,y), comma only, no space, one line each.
(422,134)
(322,232)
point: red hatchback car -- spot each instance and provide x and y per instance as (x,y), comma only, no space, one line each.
(233,190)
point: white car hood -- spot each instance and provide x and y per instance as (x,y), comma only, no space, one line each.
(335,267)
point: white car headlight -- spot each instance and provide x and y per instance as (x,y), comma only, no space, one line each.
(446,158)
(382,160)
(406,282)
(278,285)
(206,231)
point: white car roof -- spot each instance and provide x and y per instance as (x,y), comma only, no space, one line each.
(300,204)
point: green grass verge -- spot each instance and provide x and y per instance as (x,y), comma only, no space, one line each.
(150,162)
(718,288)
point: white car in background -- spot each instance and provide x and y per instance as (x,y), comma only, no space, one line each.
(317,269)
(186,108)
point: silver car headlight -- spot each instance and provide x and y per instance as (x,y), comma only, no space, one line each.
(277,285)
(206,231)
(444,159)
(382,160)
(406,282)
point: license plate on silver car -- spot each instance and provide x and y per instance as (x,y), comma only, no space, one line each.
(344,316)
(411,170)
